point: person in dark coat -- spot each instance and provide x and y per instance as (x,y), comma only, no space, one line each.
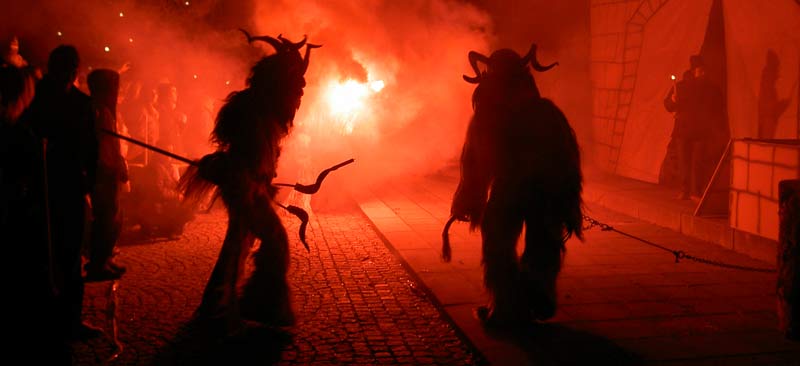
(111,174)
(699,117)
(62,117)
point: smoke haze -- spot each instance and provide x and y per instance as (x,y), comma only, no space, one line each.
(385,88)
(417,49)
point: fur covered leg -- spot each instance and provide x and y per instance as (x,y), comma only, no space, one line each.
(219,297)
(265,298)
(540,266)
(500,230)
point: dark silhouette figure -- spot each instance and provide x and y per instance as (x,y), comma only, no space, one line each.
(23,230)
(111,173)
(155,203)
(699,111)
(17,146)
(770,108)
(11,56)
(248,131)
(200,122)
(62,116)
(171,121)
(141,118)
(520,165)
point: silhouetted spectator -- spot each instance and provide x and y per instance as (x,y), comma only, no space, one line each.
(171,121)
(199,126)
(112,172)
(155,204)
(141,118)
(11,54)
(770,107)
(699,110)
(62,115)
(23,229)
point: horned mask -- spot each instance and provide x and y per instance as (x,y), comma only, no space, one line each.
(503,62)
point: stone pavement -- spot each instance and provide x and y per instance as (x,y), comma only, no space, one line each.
(621,302)
(356,304)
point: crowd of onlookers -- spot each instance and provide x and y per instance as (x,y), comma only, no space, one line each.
(69,188)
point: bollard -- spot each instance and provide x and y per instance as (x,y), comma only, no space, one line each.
(788,284)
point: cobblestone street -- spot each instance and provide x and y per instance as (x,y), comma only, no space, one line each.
(356,304)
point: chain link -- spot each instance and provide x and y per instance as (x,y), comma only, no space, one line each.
(679,254)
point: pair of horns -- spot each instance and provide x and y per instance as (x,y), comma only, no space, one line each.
(475,57)
(281,45)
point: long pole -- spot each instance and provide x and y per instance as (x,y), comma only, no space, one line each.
(148,146)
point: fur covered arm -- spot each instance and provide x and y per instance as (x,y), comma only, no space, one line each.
(471,195)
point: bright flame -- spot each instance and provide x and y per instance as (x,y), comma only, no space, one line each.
(348,100)
(377,85)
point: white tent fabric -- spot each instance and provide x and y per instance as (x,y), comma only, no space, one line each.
(672,35)
(752,28)
(675,32)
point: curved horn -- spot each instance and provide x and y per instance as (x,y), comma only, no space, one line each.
(293,46)
(276,44)
(531,57)
(474,57)
(306,59)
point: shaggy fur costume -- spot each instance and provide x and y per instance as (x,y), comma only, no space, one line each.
(520,167)
(248,132)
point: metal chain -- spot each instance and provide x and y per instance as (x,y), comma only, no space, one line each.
(679,254)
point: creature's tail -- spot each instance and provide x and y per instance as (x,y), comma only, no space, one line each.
(447,252)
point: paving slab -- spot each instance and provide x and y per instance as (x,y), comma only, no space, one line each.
(622,301)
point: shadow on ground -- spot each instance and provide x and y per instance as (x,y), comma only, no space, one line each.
(556,344)
(197,345)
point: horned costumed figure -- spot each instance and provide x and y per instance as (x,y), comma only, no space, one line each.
(248,132)
(520,166)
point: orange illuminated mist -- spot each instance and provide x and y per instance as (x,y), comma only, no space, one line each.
(385,88)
